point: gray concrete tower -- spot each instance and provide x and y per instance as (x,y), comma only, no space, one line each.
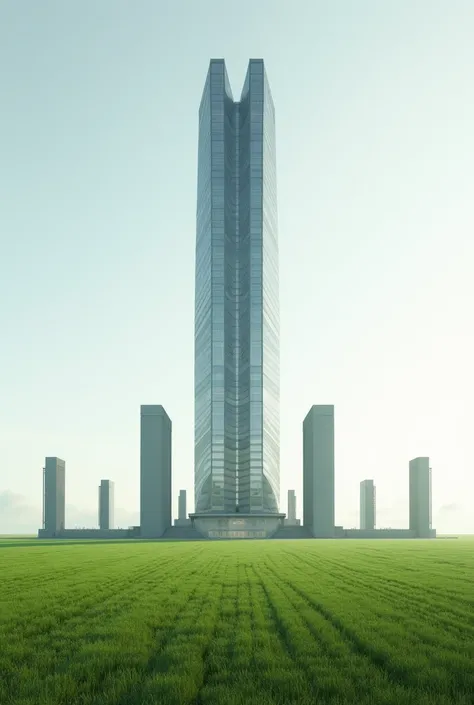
(420,497)
(291,517)
(106,504)
(54,495)
(155,471)
(182,505)
(367,504)
(318,471)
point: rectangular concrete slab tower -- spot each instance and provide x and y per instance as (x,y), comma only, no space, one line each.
(318,471)
(106,504)
(367,504)
(291,505)
(54,494)
(155,471)
(420,497)
(182,505)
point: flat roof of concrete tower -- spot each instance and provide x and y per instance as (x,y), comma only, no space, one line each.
(153,410)
(321,410)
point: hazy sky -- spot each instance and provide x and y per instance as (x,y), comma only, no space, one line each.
(98,161)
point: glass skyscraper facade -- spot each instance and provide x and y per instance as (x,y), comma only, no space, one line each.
(237,385)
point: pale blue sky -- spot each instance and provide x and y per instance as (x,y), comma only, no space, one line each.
(98,150)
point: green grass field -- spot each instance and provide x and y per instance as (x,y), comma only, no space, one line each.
(237,623)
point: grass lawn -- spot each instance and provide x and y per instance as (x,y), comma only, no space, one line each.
(237,623)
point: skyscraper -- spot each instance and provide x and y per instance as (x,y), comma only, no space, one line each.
(237,386)
(367,504)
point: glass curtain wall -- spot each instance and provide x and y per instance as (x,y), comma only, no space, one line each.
(236,300)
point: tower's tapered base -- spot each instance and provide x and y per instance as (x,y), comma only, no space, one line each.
(237,526)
